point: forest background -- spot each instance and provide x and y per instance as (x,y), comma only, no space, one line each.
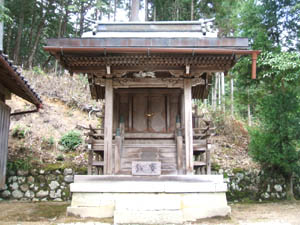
(270,103)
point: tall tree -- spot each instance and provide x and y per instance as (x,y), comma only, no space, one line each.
(135,7)
(274,143)
(45,8)
(19,35)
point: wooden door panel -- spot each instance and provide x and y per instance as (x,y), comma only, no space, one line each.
(139,113)
(157,108)
(124,110)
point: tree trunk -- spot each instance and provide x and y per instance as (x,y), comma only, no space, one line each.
(135,6)
(223,91)
(66,16)
(249,112)
(44,14)
(215,92)
(154,13)
(212,97)
(115,9)
(231,96)
(108,12)
(289,188)
(146,10)
(219,89)
(19,37)
(8,41)
(81,20)
(192,10)
(59,32)
(36,41)
(33,21)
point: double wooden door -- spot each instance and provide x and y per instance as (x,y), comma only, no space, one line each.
(148,110)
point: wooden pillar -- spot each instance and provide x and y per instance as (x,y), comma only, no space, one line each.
(118,146)
(108,128)
(188,125)
(4,130)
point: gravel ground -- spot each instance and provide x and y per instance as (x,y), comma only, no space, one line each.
(51,213)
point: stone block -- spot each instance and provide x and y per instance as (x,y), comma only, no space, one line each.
(68,171)
(142,202)
(17,194)
(14,186)
(22,172)
(6,194)
(24,187)
(69,178)
(95,212)
(196,200)
(148,217)
(29,194)
(42,194)
(53,185)
(193,214)
(203,205)
(93,199)
(56,194)
(30,180)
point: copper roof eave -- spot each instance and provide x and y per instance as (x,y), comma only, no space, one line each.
(55,50)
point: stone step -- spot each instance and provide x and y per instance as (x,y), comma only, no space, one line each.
(148,217)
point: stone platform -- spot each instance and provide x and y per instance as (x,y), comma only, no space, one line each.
(149,200)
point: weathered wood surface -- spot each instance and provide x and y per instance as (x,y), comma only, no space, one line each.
(188,125)
(108,128)
(146,168)
(147,111)
(155,151)
(4,131)
(179,145)
(118,149)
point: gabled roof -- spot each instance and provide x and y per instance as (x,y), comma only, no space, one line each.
(13,81)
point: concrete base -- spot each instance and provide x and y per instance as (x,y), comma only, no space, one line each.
(169,200)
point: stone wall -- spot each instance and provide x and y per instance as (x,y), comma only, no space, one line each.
(254,185)
(38,185)
(54,185)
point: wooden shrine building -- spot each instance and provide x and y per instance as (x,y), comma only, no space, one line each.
(148,73)
(11,82)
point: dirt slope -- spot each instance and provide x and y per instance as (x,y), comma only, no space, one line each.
(66,105)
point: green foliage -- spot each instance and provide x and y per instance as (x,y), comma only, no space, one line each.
(60,157)
(273,144)
(19,132)
(38,71)
(48,142)
(19,164)
(71,140)
(4,15)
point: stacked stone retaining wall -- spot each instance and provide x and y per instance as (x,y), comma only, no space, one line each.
(38,185)
(54,185)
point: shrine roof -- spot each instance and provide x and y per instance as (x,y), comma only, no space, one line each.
(13,81)
(149,44)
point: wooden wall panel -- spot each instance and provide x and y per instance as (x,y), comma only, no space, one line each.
(156,151)
(139,112)
(4,131)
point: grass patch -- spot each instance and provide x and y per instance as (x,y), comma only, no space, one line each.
(49,211)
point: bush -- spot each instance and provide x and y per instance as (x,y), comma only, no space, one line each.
(19,132)
(71,140)
(19,164)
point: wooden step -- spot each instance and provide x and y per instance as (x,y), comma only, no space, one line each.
(199,163)
(149,146)
(98,163)
(199,149)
